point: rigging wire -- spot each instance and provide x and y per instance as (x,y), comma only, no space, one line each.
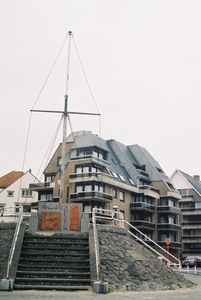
(50,147)
(43,86)
(29,124)
(90,90)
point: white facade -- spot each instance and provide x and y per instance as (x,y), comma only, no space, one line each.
(16,194)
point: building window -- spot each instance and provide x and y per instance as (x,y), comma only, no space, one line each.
(121,196)
(87,169)
(46,197)
(59,161)
(26,208)
(49,178)
(114,193)
(183,192)
(131,181)
(87,208)
(136,198)
(26,193)
(114,174)
(10,193)
(122,177)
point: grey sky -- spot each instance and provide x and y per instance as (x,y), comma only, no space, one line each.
(143,64)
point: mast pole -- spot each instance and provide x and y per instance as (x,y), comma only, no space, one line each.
(65,115)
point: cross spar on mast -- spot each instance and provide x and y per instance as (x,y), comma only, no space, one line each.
(65,114)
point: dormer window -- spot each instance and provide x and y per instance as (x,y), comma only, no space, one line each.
(122,178)
(114,174)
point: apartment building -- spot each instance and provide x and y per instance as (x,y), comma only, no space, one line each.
(105,173)
(190,189)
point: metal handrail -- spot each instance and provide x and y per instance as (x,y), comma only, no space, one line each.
(121,223)
(17,229)
(148,246)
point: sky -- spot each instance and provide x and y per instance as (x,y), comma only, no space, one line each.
(136,62)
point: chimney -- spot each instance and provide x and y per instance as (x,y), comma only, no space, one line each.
(197,177)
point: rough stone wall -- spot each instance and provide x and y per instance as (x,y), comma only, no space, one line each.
(6,237)
(7,231)
(127,265)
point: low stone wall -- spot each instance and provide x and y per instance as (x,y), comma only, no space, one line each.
(6,237)
(7,231)
(127,265)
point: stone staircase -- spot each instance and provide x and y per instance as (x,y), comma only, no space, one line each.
(54,261)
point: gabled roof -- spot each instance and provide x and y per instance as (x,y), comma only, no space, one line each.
(10,178)
(195,183)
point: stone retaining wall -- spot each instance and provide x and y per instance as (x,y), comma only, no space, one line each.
(7,231)
(127,265)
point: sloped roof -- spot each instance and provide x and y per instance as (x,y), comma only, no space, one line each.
(196,184)
(127,161)
(10,178)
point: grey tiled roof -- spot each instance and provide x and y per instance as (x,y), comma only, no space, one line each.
(193,181)
(127,161)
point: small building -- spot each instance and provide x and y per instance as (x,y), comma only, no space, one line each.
(190,189)
(106,173)
(14,191)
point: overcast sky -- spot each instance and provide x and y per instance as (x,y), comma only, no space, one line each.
(142,60)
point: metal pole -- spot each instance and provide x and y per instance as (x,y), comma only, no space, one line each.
(63,154)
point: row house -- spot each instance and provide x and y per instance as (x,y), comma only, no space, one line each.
(14,191)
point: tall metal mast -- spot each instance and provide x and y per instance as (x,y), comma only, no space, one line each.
(65,115)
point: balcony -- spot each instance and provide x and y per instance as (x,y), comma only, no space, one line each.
(149,190)
(186,198)
(191,211)
(91,196)
(168,227)
(42,186)
(141,206)
(168,209)
(191,224)
(74,177)
(143,224)
(187,239)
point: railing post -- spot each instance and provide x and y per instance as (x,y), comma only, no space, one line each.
(15,237)
(96,244)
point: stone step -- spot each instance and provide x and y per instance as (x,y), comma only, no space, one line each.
(55,247)
(55,242)
(45,274)
(60,267)
(51,287)
(51,254)
(48,281)
(54,262)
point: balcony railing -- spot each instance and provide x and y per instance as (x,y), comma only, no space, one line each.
(168,226)
(83,175)
(190,223)
(149,187)
(142,206)
(93,195)
(42,185)
(168,209)
(143,224)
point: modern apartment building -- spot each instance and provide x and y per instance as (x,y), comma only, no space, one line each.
(190,189)
(105,173)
